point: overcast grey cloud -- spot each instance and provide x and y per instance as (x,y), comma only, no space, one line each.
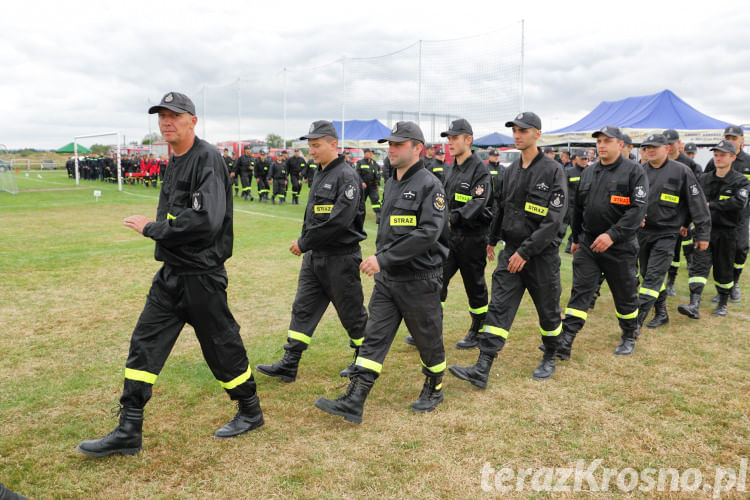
(81,67)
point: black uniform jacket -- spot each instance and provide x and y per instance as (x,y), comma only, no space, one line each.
(244,165)
(675,199)
(727,198)
(193,227)
(468,190)
(742,165)
(412,219)
(531,206)
(610,199)
(333,221)
(368,171)
(262,167)
(278,171)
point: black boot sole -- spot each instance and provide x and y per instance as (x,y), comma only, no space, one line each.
(323,404)
(654,324)
(464,346)
(284,378)
(251,428)
(687,312)
(428,409)
(121,451)
(479,383)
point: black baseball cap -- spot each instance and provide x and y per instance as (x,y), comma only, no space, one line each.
(547,149)
(404,131)
(734,130)
(247,147)
(690,147)
(367,150)
(578,153)
(321,128)
(627,140)
(609,131)
(430,146)
(174,101)
(726,146)
(527,119)
(493,152)
(439,151)
(458,127)
(655,140)
(671,135)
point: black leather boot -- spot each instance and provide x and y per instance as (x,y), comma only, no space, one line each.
(431,395)
(248,417)
(660,312)
(691,310)
(627,344)
(410,340)
(126,439)
(472,336)
(349,370)
(671,275)
(285,369)
(351,404)
(564,345)
(476,374)
(721,308)
(734,293)
(547,367)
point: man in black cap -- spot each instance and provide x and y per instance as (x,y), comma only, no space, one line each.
(278,175)
(532,204)
(675,199)
(690,150)
(468,190)
(608,207)
(437,165)
(244,167)
(262,166)
(368,170)
(296,165)
(727,194)
(549,152)
(627,148)
(736,135)
(565,158)
(429,155)
(193,234)
(331,232)
(407,266)
(573,175)
(230,168)
(684,243)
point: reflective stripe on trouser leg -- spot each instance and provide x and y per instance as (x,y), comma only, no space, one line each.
(140,376)
(551,333)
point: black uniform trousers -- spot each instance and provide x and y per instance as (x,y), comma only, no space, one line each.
(371,191)
(541,277)
(618,266)
(654,258)
(263,186)
(683,245)
(279,188)
(201,301)
(246,183)
(720,254)
(417,302)
(325,279)
(468,254)
(742,246)
(296,184)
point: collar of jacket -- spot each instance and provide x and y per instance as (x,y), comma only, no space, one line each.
(414,168)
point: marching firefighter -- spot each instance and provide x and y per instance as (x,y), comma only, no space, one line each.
(278,175)
(331,232)
(608,207)
(243,168)
(296,165)
(675,199)
(407,267)
(262,166)
(529,219)
(727,193)
(368,170)
(193,234)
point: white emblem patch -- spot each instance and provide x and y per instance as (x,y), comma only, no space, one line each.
(640,192)
(169,97)
(520,115)
(395,128)
(197,205)
(694,189)
(557,200)
(743,193)
(479,190)
(349,192)
(542,187)
(312,128)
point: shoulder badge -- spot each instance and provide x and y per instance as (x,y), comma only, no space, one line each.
(197,201)
(742,192)
(694,189)
(349,191)
(479,190)
(557,200)
(640,192)
(438,201)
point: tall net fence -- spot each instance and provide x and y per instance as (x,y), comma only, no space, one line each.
(431,82)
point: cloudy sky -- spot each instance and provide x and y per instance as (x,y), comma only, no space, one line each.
(81,67)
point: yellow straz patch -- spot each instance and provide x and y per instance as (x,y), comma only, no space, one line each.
(322,209)
(462,198)
(535,209)
(670,198)
(403,220)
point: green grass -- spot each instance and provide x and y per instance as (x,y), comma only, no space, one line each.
(74,280)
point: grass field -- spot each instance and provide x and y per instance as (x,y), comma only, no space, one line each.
(74,281)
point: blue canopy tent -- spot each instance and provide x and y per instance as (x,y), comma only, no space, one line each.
(641,116)
(494,139)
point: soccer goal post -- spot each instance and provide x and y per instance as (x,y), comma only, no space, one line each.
(118,146)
